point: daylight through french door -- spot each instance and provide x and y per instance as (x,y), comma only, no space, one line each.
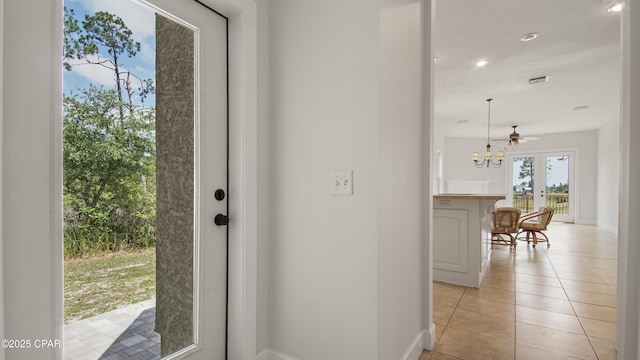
(543,179)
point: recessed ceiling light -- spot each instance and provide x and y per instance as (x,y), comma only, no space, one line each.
(615,8)
(529,36)
(482,63)
(435,59)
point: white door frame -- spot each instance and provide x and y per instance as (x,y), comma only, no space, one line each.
(34,135)
(1,177)
(540,186)
(243,176)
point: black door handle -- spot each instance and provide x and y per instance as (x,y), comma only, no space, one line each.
(221,220)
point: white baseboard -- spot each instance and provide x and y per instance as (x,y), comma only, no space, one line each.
(268,354)
(585,222)
(264,355)
(611,229)
(415,350)
(430,337)
(424,340)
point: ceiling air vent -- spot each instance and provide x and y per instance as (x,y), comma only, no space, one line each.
(539,79)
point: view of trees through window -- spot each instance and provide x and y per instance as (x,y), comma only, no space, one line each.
(109,186)
(554,175)
(109,145)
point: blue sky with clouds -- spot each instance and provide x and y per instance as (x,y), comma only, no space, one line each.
(140,20)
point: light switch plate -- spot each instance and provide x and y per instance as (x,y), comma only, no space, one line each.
(342,182)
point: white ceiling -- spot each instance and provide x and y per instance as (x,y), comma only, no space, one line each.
(578,48)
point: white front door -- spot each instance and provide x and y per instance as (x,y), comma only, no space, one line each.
(193,42)
(191,168)
(543,179)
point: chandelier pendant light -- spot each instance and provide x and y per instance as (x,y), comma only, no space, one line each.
(488,155)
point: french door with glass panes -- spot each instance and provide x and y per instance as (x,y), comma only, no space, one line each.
(543,179)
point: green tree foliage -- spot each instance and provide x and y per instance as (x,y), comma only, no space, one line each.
(558,189)
(109,142)
(526,170)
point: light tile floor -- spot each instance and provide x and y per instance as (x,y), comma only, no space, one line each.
(122,334)
(543,303)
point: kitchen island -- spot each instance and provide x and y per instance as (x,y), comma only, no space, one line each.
(462,237)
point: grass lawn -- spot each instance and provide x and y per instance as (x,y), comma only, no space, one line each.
(99,284)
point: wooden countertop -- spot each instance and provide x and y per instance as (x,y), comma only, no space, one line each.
(471,196)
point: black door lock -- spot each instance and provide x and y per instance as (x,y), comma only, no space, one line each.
(219,194)
(221,220)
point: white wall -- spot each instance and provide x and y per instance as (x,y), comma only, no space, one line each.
(608,176)
(345,272)
(400,154)
(459,166)
(324,116)
(27,183)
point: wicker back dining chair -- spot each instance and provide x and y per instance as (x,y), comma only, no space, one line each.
(505,222)
(532,225)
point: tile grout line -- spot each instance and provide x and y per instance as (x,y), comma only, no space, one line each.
(569,299)
(435,346)
(546,254)
(512,263)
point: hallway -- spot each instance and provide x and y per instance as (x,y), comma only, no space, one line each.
(544,303)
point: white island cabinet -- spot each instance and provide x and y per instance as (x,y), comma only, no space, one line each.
(462,237)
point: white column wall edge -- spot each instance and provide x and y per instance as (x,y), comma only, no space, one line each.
(628,314)
(1,188)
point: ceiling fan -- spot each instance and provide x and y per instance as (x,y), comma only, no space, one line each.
(515,139)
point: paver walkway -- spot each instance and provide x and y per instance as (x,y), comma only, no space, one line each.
(122,334)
